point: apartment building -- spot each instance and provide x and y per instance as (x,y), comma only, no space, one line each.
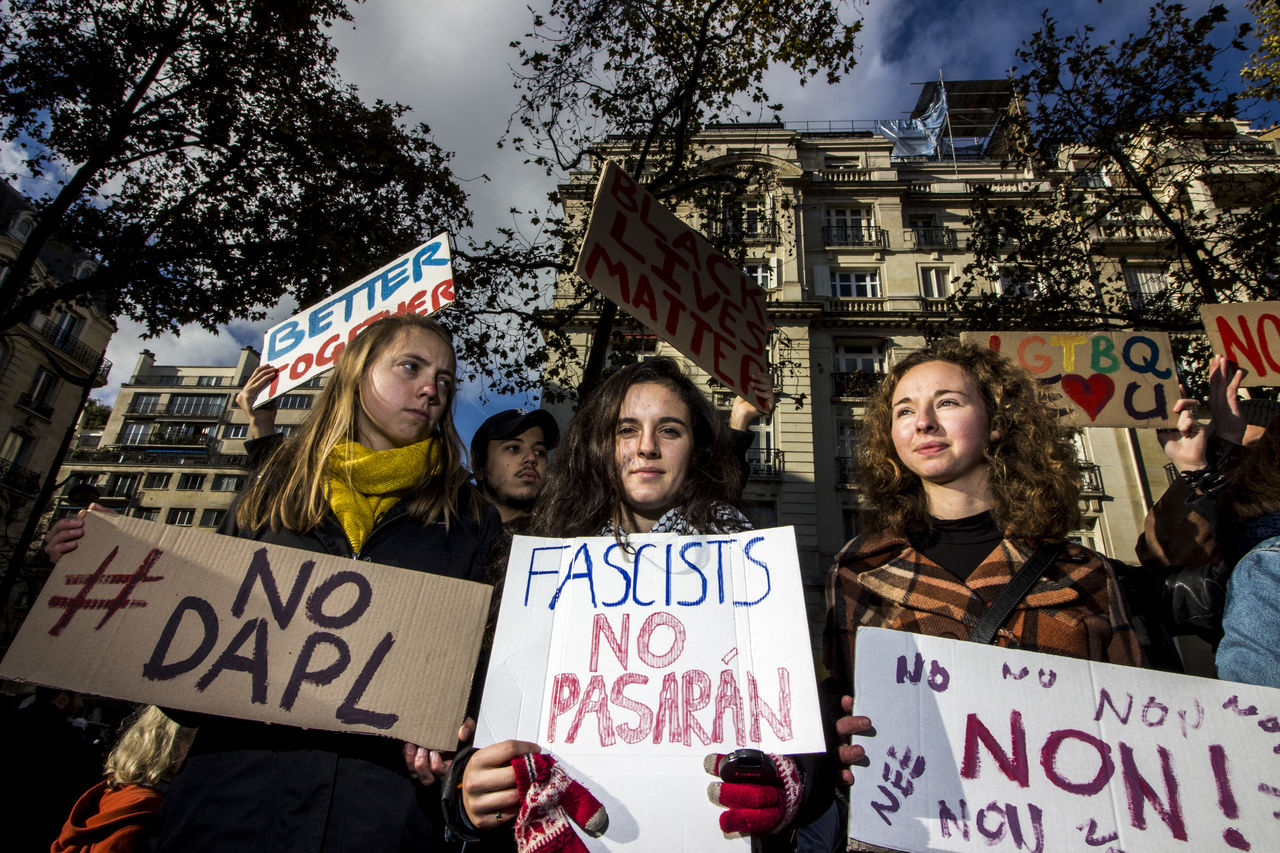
(172,450)
(49,364)
(856,248)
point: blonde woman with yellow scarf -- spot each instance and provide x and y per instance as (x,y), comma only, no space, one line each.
(376,473)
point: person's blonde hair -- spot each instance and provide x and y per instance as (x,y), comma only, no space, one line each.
(1035,474)
(149,751)
(292,490)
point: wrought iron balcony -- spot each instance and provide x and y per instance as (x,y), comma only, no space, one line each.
(765,463)
(70,344)
(858,385)
(18,478)
(935,238)
(175,456)
(855,235)
(1091,479)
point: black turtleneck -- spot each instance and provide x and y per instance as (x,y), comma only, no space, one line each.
(959,545)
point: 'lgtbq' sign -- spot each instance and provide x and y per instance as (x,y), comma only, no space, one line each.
(1113,379)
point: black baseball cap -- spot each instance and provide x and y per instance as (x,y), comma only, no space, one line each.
(509,424)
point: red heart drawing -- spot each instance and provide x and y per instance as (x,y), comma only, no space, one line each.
(1090,394)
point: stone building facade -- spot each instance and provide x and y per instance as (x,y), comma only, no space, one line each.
(857,251)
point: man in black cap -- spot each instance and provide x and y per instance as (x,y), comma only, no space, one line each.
(509,460)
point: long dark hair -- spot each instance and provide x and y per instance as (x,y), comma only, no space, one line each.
(584,492)
(1035,475)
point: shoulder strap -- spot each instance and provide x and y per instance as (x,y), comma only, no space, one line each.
(1014,591)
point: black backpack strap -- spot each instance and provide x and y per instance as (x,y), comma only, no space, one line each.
(1014,591)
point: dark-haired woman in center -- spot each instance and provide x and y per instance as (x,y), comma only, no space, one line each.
(646,452)
(965,473)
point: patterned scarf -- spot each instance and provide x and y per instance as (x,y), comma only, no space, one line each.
(727,520)
(379,477)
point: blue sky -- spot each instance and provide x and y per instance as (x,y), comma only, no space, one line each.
(450,61)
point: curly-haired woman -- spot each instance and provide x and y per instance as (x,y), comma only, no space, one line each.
(965,473)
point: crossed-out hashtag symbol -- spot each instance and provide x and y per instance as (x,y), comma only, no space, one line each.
(128,583)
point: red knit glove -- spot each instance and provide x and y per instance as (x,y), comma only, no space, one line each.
(756,809)
(547,797)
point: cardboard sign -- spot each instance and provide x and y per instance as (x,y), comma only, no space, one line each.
(309,342)
(1100,379)
(171,616)
(1247,333)
(667,276)
(632,666)
(979,748)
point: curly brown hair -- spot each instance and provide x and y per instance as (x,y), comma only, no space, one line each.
(584,492)
(1035,475)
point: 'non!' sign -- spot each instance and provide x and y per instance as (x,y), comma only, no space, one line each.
(1102,379)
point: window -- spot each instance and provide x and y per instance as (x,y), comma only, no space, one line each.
(145,404)
(180,516)
(196,404)
(294,401)
(1031,285)
(1145,285)
(236,431)
(212,517)
(156,481)
(763,514)
(147,514)
(934,282)
(856,284)
(284,429)
(121,486)
(208,380)
(762,274)
(228,482)
(868,358)
(744,218)
(313,382)
(134,432)
(190,482)
(168,379)
(44,387)
(850,226)
(16,447)
(64,328)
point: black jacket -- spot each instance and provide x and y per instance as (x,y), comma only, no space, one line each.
(254,786)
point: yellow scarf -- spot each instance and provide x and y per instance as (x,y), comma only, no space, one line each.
(379,477)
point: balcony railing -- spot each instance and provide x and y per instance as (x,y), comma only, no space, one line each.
(855,235)
(31,404)
(207,410)
(935,238)
(18,478)
(1091,479)
(846,472)
(155,456)
(855,305)
(857,384)
(70,344)
(1134,230)
(745,229)
(765,463)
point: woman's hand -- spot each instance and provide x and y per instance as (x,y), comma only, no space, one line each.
(489,793)
(1224,399)
(428,765)
(745,412)
(847,726)
(1186,444)
(262,420)
(64,536)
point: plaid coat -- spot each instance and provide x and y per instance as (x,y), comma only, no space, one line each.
(1074,609)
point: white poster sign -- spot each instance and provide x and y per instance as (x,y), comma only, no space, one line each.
(982,748)
(630,666)
(309,342)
